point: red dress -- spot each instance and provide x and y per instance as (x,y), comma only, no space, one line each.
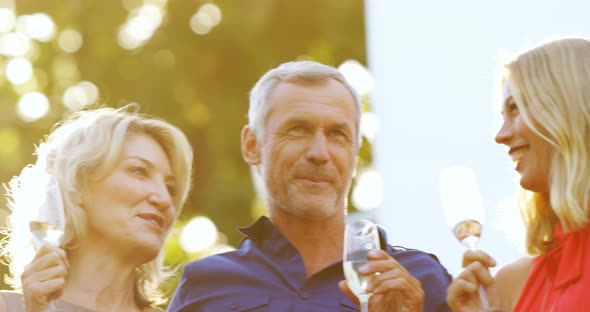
(559,280)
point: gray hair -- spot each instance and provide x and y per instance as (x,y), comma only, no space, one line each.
(292,71)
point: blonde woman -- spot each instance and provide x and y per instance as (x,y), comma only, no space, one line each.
(124,178)
(546,128)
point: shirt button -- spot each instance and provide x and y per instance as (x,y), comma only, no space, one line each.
(234,306)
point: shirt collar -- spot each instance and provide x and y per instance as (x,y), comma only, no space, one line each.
(263,228)
(260,229)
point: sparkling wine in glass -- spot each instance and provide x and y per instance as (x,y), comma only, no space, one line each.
(48,220)
(463,209)
(360,237)
(468,232)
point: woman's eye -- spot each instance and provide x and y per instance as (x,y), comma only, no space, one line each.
(512,108)
(139,171)
(171,190)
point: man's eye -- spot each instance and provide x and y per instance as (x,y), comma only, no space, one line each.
(297,131)
(337,133)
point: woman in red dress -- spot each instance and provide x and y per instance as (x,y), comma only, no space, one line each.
(546,128)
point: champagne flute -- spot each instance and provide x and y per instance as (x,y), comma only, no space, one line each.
(463,209)
(360,237)
(47,222)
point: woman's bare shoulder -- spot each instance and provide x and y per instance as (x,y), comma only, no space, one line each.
(512,277)
(514,269)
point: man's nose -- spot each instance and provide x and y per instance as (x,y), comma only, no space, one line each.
(318,150)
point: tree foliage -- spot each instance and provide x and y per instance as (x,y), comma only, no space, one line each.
(197,82)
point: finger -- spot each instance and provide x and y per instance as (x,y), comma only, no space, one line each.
(478,273)
(395,280)
(50,273)
(477,255)
(459,291)
(40,292)
(378,254)
(47,248)
(46,260)
(379,261)
(460,286)
(343,285)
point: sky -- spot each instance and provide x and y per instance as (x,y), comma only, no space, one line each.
(436,68)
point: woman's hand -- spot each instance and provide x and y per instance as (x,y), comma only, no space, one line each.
(44,278)
(463,293)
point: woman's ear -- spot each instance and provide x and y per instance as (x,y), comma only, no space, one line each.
(250,146)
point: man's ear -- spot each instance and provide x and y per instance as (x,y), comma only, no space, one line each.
(250,147)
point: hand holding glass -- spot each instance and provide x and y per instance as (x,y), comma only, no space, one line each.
(360,237)
(48,221)
(463,209)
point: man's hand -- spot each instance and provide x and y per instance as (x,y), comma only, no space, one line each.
(393,288)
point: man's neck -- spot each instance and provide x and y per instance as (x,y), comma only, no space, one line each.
(319,242)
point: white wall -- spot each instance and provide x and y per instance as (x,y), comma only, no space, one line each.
(435,65)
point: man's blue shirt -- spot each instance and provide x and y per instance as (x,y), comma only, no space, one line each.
(267,274)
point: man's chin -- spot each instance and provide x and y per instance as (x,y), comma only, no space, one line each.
(313,211)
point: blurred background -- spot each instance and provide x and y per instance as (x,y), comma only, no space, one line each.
(190,62)
(427,72)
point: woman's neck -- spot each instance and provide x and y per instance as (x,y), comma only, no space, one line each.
(100,280)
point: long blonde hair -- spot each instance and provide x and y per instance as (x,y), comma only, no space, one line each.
(86,146)
(551,88)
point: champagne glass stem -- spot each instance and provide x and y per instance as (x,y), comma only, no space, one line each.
(364,300)
(483,298)
(51,305)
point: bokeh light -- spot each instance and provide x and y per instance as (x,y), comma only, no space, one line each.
(198,234)
(70,40)
(140,26)
(357,75)
(14,45)
(7,20)
(32,106)
(38,26)
(213,12)
(207,17)
(80,95)
(164,58)
(369,125)
(368,192)
(19,70)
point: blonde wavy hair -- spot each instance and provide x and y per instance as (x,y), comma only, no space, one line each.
(551,87)
(85,147)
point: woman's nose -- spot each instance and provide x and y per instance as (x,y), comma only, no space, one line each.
(504,134)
